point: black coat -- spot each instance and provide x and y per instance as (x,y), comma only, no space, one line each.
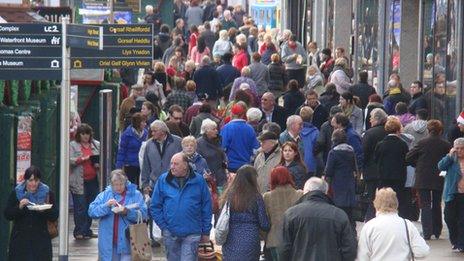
(293,100)
(328,100)
(279,116)
(324,141)
(363,91)
(370,140)
(417,102)
(215,156)
(29,236)
(425,157)
(314,215)
(454,132)
(390,156)
(320,115)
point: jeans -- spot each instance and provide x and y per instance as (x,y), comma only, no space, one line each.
(181,248)
(430,205)
(82,221)
(454,218)
(120,257)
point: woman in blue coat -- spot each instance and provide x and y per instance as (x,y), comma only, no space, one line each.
(339,173)
(247,217)
(112,242)
(129,147)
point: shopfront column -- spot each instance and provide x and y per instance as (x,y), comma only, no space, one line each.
(318,23)
(409,41)
(342,24)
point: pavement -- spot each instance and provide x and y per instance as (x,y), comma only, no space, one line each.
(85,250)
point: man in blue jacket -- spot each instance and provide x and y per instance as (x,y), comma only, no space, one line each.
(181,207)
(309,134)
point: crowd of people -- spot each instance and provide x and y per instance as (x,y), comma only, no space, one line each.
(235,115)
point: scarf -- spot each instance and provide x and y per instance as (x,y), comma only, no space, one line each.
(38,197)
(348,110)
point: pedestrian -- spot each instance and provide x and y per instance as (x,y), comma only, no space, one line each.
(314,80)
(388,236)
(327,63)
(402,113)
(84,152)
(340,121)
(157,154)
(178,96)
(196,161)
(204,112)
(181,207)
(292,132)
(268,157)
(324,139)
(294,57)
(375,101)
(199,51)
(129,147)
(390,157)
(315,212)
(208,80)
(209,146)
(247,216)
(363,90)
(417,97)
(293,98)
(272,112)
(175,121)
(424,156)
(453,193)
(113,244)
(370,139)
(222,45)
(308,135)
(127,104)
(339,77)
(339,173)
(321,114)
(418,127)
(282,196)
(29,238)
(194,14)
(254,116)
(395,94)
(238,138)
(353,112)
(277,75)
(259,73)
(292,159)
(330,97)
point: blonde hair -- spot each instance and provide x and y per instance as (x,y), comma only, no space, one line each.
(190,86)
(341,62)
(189,139)
(159,67)
(386,201)
(393,124)
(223,35)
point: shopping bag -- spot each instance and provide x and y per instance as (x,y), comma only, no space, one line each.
(139,242)
(222,227)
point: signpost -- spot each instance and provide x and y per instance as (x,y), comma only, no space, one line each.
(124,46)
(85,36)
(30,51)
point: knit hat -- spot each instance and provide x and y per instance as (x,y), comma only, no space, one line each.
(460,118)
(327,51)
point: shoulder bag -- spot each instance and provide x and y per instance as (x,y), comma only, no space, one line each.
(222,227)
(409,241)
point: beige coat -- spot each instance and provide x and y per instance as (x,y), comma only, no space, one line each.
(264,167)
(277,202)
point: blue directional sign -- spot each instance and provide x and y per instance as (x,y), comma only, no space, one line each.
(84,36)
(30,51)
(124,46)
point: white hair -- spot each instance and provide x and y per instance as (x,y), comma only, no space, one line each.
(458,142)
(254,114)
(227,13)
(118,175)
(379,114)
(206,125)
(223,35)
(244,86)
(241,38)
(160,125)
(292,119)
(314,184)
(148,8)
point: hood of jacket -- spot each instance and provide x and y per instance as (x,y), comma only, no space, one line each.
(344,147)
(419,126)
(308,129)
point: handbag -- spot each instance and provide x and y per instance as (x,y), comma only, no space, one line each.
(206,252)
(52,227)
(214,193)
(409,240)
(139,242)
(222,227)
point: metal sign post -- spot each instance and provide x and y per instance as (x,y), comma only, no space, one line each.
(64,145)
(106,103)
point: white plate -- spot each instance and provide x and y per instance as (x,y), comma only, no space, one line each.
(117,210)
(40,207)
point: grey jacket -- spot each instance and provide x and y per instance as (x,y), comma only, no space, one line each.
(289,60)
(260,74)
(264,166)
(155,163)
(76,175)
